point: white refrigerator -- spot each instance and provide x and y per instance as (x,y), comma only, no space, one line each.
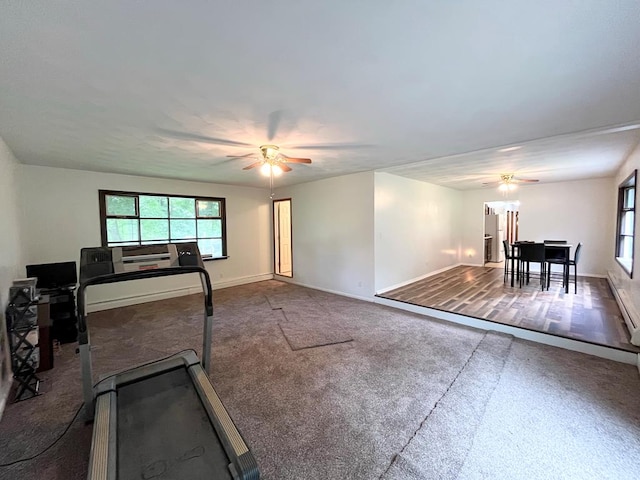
(493,226)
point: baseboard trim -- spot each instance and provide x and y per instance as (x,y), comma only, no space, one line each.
(538,337)
(417,279)
(242,281)
(335,292)
(177,292)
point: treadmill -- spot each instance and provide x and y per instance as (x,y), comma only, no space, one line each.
(161,420)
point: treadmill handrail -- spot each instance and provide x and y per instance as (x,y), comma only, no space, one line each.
(139,275)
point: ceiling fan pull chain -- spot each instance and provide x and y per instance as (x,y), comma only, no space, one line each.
(271,182)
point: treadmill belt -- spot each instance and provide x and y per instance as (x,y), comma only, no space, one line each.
(164,431)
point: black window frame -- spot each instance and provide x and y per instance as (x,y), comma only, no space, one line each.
(628,184)
(102,194)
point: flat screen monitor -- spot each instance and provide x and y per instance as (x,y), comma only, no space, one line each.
(54,275)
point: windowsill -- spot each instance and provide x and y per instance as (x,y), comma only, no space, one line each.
(626,264)
(211,259)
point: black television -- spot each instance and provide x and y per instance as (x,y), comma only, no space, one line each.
(54,275)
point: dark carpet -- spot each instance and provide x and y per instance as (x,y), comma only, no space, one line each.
(407,397)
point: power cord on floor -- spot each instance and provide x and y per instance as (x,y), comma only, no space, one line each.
(26,459)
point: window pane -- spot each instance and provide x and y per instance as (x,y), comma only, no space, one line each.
(209,228)
(626,247)
(134,218)
(120,205)
(153,207)
(154,229)
(627,223)
(629,197)
(208,208)
(183,229)
(210,247)
(122,230)
(182,207)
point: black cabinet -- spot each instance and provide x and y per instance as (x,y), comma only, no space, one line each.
(62,311)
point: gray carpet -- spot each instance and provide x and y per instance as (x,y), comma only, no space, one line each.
(307,323)
(408,397)
(439,448)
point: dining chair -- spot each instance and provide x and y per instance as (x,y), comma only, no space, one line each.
(555,257)
(574,263)
(532,253)
(508,255)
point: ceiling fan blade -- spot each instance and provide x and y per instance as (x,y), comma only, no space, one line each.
(285,168)
(294,160)
(253,165)
(274,122)
(525,180)
(242,156)
(195,137)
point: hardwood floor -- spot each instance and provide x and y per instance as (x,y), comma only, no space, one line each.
(591,315)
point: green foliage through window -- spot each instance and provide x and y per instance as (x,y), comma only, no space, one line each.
(625,235)
(130,218)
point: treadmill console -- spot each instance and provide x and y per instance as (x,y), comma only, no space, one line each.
(97,261)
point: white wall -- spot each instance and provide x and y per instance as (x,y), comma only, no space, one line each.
(61,215)
(579,211)
(10,255)
(630,285)
(10,247)
(417,229)
(332,223)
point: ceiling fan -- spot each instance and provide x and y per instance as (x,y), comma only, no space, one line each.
(270,153)
(272,162)
(508,181)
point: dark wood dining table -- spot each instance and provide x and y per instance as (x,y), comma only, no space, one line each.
(565,248)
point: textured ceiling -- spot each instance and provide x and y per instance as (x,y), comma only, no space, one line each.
(170,88)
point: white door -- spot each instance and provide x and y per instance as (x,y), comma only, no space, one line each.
(282,240)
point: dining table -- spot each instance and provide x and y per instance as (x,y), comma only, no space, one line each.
(555,250)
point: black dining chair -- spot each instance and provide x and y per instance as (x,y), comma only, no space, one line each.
(574,263)
(567,274)
(508,255)
(561,260)
(532,253)
(555,257)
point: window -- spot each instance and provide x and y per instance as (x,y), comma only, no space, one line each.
(626,223)
(129,218)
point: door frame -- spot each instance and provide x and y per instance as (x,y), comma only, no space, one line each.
(275,230)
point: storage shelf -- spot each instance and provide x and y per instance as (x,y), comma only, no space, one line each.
(22,328)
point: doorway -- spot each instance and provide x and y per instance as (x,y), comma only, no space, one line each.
(500,223)
(282,254)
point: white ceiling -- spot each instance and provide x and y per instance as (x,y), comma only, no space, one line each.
(409,87)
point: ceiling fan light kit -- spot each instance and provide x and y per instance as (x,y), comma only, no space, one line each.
(508,182)
(506,187)
(267,169)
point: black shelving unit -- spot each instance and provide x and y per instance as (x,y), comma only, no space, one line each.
(22,326)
